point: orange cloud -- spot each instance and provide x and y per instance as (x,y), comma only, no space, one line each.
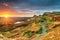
(5,4)
(14,14)
(9,12)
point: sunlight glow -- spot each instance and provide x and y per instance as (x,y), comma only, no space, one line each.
(6,16)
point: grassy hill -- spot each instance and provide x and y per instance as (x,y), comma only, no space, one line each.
(37,25)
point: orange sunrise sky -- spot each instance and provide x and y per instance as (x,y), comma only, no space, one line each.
(6,11)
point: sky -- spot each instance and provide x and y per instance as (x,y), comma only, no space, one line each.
(31,6)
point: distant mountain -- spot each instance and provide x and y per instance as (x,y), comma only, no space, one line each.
(52,13)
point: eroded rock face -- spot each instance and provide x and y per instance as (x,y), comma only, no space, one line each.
(53,35)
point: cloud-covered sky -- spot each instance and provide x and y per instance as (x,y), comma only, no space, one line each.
(36,6)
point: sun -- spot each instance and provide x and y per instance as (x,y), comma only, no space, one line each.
(6,15)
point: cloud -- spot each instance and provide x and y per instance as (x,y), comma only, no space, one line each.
(29,6)
(33,2)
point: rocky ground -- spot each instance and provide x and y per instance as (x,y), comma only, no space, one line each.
(53,35)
